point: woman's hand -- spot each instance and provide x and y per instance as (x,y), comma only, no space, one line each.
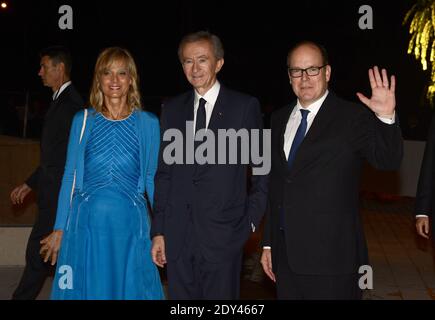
(50,246)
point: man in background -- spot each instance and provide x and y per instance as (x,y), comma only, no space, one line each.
(55,72)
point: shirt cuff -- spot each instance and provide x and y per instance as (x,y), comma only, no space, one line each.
(252,227)
(421,216)
(267,247)
(391,120)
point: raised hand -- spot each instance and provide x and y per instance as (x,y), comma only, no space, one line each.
(383,100)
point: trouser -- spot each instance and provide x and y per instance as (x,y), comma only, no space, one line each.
(36,271)
(190,276)
(293,286)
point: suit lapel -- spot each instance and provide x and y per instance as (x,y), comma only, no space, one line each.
(51,108)
(55,103)
(215,123)
(282,128)
(47,118)
(188,110)
(187,115)
(318,129)
(217,115)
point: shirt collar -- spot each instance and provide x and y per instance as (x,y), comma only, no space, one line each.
(62,87)
(313,108)
(210,96)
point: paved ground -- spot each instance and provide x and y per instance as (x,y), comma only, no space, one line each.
(403,264)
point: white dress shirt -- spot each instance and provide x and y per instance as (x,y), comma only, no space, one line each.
(295,120)
(210,96)
(62,87)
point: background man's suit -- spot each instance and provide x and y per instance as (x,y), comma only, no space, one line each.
(208,202)
(323,234)
(426,182)
(46,179)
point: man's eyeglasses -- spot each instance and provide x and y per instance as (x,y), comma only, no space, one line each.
(311,71)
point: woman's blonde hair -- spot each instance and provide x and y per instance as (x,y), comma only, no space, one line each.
(106,58)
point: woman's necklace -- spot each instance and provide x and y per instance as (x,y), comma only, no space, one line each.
(121,115)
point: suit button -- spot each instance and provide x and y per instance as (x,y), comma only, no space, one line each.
(195,183)
(289,181)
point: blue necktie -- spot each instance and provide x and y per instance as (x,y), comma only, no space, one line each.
(299,137)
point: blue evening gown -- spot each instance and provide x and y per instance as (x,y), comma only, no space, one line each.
(106,248)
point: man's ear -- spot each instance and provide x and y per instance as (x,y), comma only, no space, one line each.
(61,67)
(219,65)
(328,71)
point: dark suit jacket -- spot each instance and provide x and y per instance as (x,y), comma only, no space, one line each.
(54,141)
(319,194)
(213,196)
(426,182)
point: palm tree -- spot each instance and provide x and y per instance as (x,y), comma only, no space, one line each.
(422,43)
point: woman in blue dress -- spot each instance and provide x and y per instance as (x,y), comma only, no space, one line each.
(102,222)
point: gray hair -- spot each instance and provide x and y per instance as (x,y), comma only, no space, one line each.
(214,40)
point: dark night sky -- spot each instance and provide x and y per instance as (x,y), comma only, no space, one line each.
(256,37)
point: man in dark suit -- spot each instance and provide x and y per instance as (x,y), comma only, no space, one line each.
(203,214)
(313,242)
(46,179)
(426,187)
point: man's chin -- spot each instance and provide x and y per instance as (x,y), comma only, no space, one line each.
(196,84)
(307,97)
